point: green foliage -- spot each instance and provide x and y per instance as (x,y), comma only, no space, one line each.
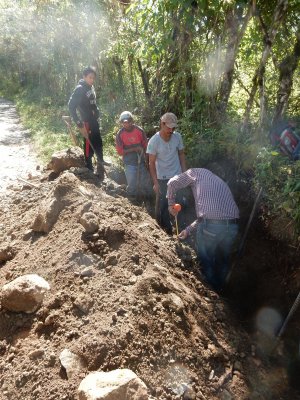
(280,179)
(45,125)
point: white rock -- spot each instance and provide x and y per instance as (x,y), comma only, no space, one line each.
(71,362)
(87,271)
(120,384)
(24,294)
(89,221)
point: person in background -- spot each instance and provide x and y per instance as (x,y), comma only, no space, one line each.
(83,100)
(131,143)
(216,225)
(166,159)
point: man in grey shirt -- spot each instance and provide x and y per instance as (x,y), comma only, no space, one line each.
(166,159)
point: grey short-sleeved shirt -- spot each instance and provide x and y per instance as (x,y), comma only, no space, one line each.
(167,158)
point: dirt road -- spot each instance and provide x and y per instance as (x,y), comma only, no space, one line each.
(17,158)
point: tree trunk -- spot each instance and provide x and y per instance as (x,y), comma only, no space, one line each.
(235,38)
(260,71)
(286,71)
(118,63)
(145,81)
(132,82)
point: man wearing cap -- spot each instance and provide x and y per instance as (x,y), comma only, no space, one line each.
(131,143)
(216,224)
(166,159)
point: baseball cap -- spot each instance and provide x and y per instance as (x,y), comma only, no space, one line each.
(125,116)
(170,120)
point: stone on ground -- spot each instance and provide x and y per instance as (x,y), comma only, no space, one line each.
(71,362)
(66,159)
(6,252)
(120,384)
(24,294)
(89,221)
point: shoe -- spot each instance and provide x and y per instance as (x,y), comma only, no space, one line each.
(105,163)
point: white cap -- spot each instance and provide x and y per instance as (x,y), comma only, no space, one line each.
(125,116)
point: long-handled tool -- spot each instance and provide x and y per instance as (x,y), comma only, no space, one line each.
(241,246)
(242,243)
(67,120)
(138,174)
(100,168)
(177,207)
(289,316)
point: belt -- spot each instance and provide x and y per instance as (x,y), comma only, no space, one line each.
(219,221)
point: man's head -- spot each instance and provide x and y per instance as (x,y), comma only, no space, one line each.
(126,119)
(89,75)
(168,123)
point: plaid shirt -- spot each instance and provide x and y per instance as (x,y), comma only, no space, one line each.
(213,198)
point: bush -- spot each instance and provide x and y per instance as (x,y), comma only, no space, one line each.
(280,179)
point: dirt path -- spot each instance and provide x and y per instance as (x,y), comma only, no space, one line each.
(17,158)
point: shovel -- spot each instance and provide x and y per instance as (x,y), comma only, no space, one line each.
(100,168)
(138,174)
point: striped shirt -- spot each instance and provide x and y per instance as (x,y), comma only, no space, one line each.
(213,198)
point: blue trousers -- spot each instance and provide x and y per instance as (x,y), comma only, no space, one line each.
(131,173)
(213,245)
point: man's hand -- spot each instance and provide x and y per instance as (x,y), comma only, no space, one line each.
(84,132)
(172,211)
(183,235)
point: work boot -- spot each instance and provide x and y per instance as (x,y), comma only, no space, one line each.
(105,163)
(100,171)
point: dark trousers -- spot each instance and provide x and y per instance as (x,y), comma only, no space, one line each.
(94,143)
(162,214)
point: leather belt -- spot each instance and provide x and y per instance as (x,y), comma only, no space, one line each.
(219,221)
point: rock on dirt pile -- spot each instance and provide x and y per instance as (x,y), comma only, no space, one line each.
(120,298)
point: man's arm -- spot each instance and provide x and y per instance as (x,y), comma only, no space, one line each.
(152,168)
(182,160)
(179,182)
(74,102)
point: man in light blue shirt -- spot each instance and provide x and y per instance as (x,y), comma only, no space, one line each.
(166,159)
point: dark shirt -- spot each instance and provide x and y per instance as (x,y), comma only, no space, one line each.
(83,99)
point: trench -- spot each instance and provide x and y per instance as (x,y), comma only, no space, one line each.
(263,285)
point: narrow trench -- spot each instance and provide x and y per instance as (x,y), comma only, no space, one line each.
(261,291)
(263,286)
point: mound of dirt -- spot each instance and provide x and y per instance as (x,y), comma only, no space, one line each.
(120,297)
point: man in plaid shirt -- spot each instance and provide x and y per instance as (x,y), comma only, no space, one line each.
(216,225)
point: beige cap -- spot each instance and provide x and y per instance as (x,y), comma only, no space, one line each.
(170,120)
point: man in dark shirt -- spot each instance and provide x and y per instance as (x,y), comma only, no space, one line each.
(83,99)
(216,224)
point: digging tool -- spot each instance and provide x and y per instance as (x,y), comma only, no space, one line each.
(138,174)
(28,183)
(242,243)
(177,207)
(289,316)
(241,246)
(100,168)
(67,120)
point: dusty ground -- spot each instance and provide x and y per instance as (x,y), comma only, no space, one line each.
(16,158)
(145,308)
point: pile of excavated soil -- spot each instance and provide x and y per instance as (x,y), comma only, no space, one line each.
(122,295)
